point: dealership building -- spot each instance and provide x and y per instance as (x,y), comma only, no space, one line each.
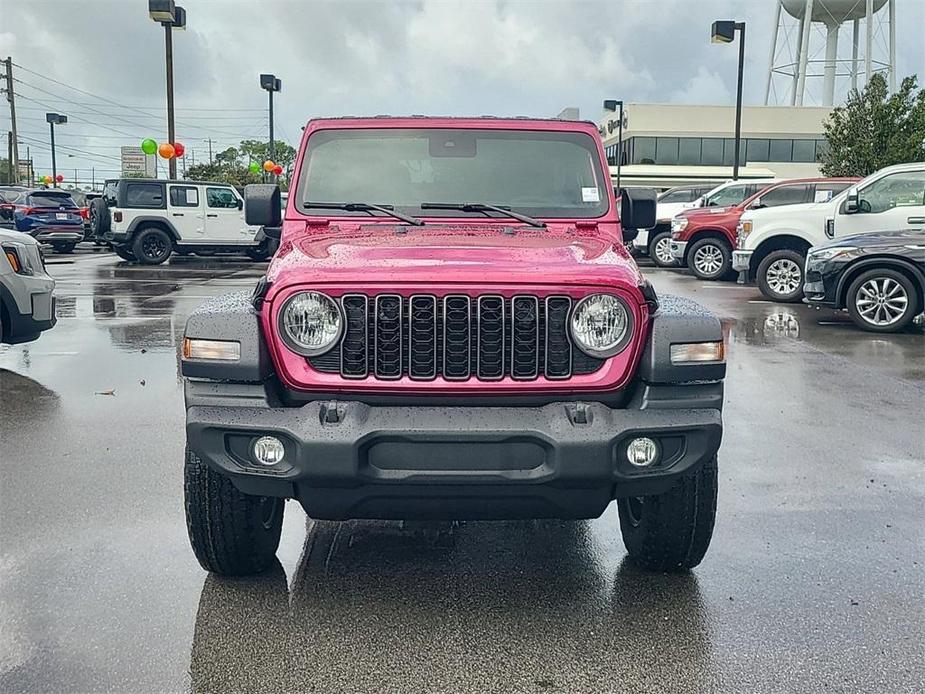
(666,145)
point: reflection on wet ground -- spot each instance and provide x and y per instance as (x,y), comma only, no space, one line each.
(814,580)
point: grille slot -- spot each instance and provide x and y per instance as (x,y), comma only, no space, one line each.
(455,337)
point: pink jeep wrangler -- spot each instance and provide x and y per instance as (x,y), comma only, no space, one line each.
(451,329)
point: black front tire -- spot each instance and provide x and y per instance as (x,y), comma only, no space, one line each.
(899,306)
(658,249)
(152,245)
(671,531)
(232,533)
(710,259)
(780,276)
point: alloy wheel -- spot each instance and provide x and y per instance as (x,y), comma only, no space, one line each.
(153,247)
(784,276)
(708,259)
(881,301)
(663,251)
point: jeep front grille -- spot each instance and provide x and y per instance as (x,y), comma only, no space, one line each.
(455,337)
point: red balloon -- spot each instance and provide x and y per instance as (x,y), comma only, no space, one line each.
(178,149)
(278,170)
(59,178)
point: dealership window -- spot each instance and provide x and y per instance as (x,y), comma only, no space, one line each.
(781,150)
(756,150)
(711,151)
(822,146)
(666,151)
(643,150)
(804,151)
(689,151)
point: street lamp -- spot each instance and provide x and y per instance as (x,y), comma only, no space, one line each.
(171,17)
(613,105)
(54,119)
(272,84)
(723,31)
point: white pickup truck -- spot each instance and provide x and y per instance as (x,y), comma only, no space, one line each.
(773,242)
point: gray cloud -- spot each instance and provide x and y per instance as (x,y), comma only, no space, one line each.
(492,57)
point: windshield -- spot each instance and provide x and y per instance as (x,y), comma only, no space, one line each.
(730,195)
(536,173)
(51,200)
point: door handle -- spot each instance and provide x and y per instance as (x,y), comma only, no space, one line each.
(916,220)
(211,215)
(176,214)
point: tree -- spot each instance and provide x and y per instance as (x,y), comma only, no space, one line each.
(232,165)
(874,129)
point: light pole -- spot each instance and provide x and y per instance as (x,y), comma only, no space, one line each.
(614,105)
(272,84)
(54,119)
(171,17)
(723,31)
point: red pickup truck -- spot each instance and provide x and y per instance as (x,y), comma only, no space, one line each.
(451,328)
(703,238)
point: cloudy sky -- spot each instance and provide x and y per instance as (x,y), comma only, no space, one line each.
(102,63)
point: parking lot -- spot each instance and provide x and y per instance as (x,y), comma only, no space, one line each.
(814,581)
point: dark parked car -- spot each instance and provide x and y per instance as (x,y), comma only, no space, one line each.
(878,278)
(49,216)
(7,195)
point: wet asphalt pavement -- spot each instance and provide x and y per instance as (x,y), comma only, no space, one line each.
(814,581)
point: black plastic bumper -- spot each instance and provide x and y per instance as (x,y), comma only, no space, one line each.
(354,460)
(23,327)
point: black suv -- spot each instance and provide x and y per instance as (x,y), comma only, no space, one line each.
(879,278)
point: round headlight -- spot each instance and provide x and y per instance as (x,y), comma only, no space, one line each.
(601,325)
(310,323)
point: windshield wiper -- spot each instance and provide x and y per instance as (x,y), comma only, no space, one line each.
(482,207)
(365,207)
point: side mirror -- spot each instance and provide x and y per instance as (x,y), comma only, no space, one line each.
(262,206)
(757,205)
(851,203)
(240,204)
(637,211)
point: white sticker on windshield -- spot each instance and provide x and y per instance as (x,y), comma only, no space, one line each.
(823,196)
(590,195)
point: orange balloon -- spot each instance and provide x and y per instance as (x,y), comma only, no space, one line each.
(166,150)
(268,165)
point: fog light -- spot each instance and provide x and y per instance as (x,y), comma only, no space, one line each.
(642,452)
(268,450)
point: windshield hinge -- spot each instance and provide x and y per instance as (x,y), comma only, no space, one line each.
(317,222)
(586,224)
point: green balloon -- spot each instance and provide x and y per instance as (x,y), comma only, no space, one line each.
(148,146)
(254,167)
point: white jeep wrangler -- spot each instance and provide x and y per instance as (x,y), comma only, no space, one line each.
(146,220)
(773,242)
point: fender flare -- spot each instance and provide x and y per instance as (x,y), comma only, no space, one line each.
(152,219)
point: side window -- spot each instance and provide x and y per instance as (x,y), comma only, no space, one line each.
(905,189)
(221,197)
(146,195)
(785,195)
(732,195)
(823,192)
(109,192)
(184,196)
(678,196)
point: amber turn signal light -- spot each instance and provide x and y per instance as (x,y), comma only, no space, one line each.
(211,350)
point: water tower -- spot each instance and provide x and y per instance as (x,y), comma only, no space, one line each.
(805,30)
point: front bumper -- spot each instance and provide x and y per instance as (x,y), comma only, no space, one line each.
(821,279)
(30,306)
(354,460)
(678,248)
(741,260)
(64,234)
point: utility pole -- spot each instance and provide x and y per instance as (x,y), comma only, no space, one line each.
(172,162)
(9,159)
(14,156)
(210,150)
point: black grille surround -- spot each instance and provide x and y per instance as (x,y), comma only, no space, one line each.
(455,337)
